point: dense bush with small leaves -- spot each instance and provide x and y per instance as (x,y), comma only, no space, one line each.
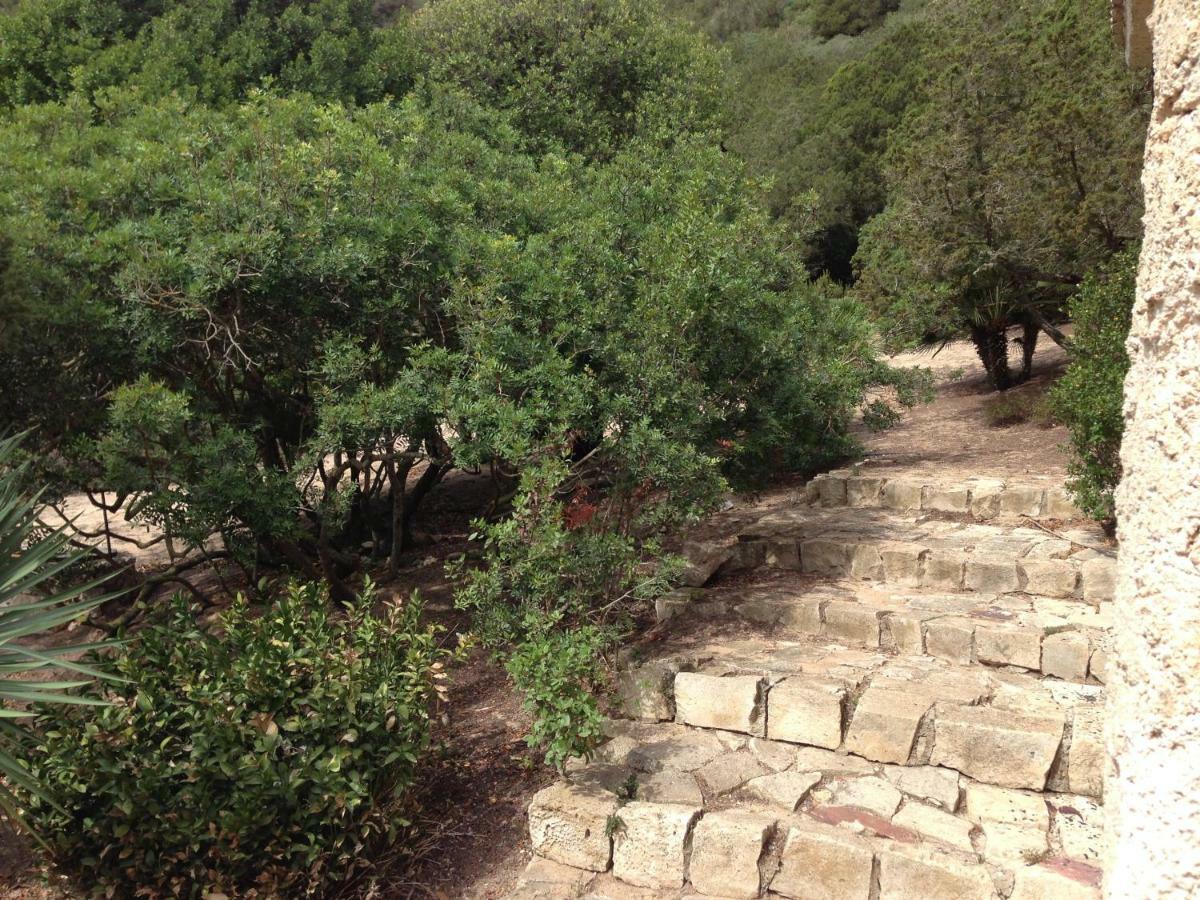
(1089,397)
(267,753)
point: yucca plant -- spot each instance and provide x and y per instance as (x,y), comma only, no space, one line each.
(32,602)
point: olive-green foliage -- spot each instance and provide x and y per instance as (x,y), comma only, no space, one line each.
(1009,181)
(834,17)
(1089,397)
(582,74)
(267,754)
(216,49)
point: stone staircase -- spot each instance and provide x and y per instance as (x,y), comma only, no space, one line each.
(910,707)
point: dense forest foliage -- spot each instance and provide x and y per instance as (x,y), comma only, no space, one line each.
(271,271)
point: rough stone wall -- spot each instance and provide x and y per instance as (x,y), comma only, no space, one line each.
(1153,790)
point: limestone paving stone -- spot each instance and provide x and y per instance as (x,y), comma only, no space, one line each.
(993,574)
(775,755)
(1015,824)
(674,748)
(951,639)
(782,554)
(814,759)
(649,846)
(784,789)
(946,499)
(726,847)
(825,556)
(703,559)
(1086,758)
(849,621)
(545,879)
(669,786)
(831,491)
(730,771)
(806,712)
(733,703)
(902,494)
(1099,578)
(885,724)
(1065,655)
(1006,646)
(1078,825)
(996,746)
(926,874)
(568,824)
(1018,500)
(985,498)
(1052,548)
(904,631)
(931,783)
(1059,505)
(820,862)
(944,570)
(1098,665)
(931,822)
(902,562)
(869,792)
(865,562)
(1040,882)
(1050,577)
(646,692)
(864,491)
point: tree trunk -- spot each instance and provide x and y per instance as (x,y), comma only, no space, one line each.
(1029,339)
(992,346)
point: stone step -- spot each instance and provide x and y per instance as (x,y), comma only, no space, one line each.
(809,769)
(996,726)
(1060,638)
(886,547)
(979,498)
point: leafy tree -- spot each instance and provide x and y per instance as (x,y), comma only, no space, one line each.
(1007,184)
(833,17)
(1089,398)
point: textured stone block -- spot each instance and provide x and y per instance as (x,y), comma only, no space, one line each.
(1099,578)
(646,692)
(802,614)
(568,824)
(864,491)
(946,499)
(1059,505)
(1069,882)
(923,874)
(669,786)
(726,847)
(1019,500)
(806,712)
(939,786)
(1098,665)
(902,495)
(703,560)
(649,846)
(545,879)
(1086,758)
(730,771)
(951,639)
(1050,577)
(846,620)
(733,703)
(782,554)
(991,574)
(784,789)
(823,556)
(1004,645)
(944,570)
(996,746)
(1015,824)
(885,724)
(903,631)
(902,563)
(865,562)
(824,863)
(985,498)
(831,490)
(869,792)
(1065,655)
(936,824)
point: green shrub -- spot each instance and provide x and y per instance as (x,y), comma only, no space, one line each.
(1088,399)
(834,17)
(265,754)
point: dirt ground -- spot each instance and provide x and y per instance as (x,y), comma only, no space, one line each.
(474,842)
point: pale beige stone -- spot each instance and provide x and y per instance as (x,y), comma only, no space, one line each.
(991,574)
(1050,577)
(677,749)
(996,746)
(646,692)
(775,755)
(784,789)
(1059,505)
(1006,645)
(670,786)
(869,792)
(925,874)
(568,824)
(846,620)
(823,863)
(865,562)
(944,570)
(1020,500)
(902,494)
(782,554)
(825,556)
(986,803)
(703,559)
(947,499)
(733,703)
(806,711)
(1065,655)
(931,822)
(814,759)
(1041,883)
(937,785)
(545,879)
(885,724)
(1086,759)
(649,845)
(1098,578)
(730,771)
(726,848)
(1006,845)
(985,498)
(902,563)
(951,639)
(803,614)
(904,629)
(864,491)
(1098,665)
(831,490)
